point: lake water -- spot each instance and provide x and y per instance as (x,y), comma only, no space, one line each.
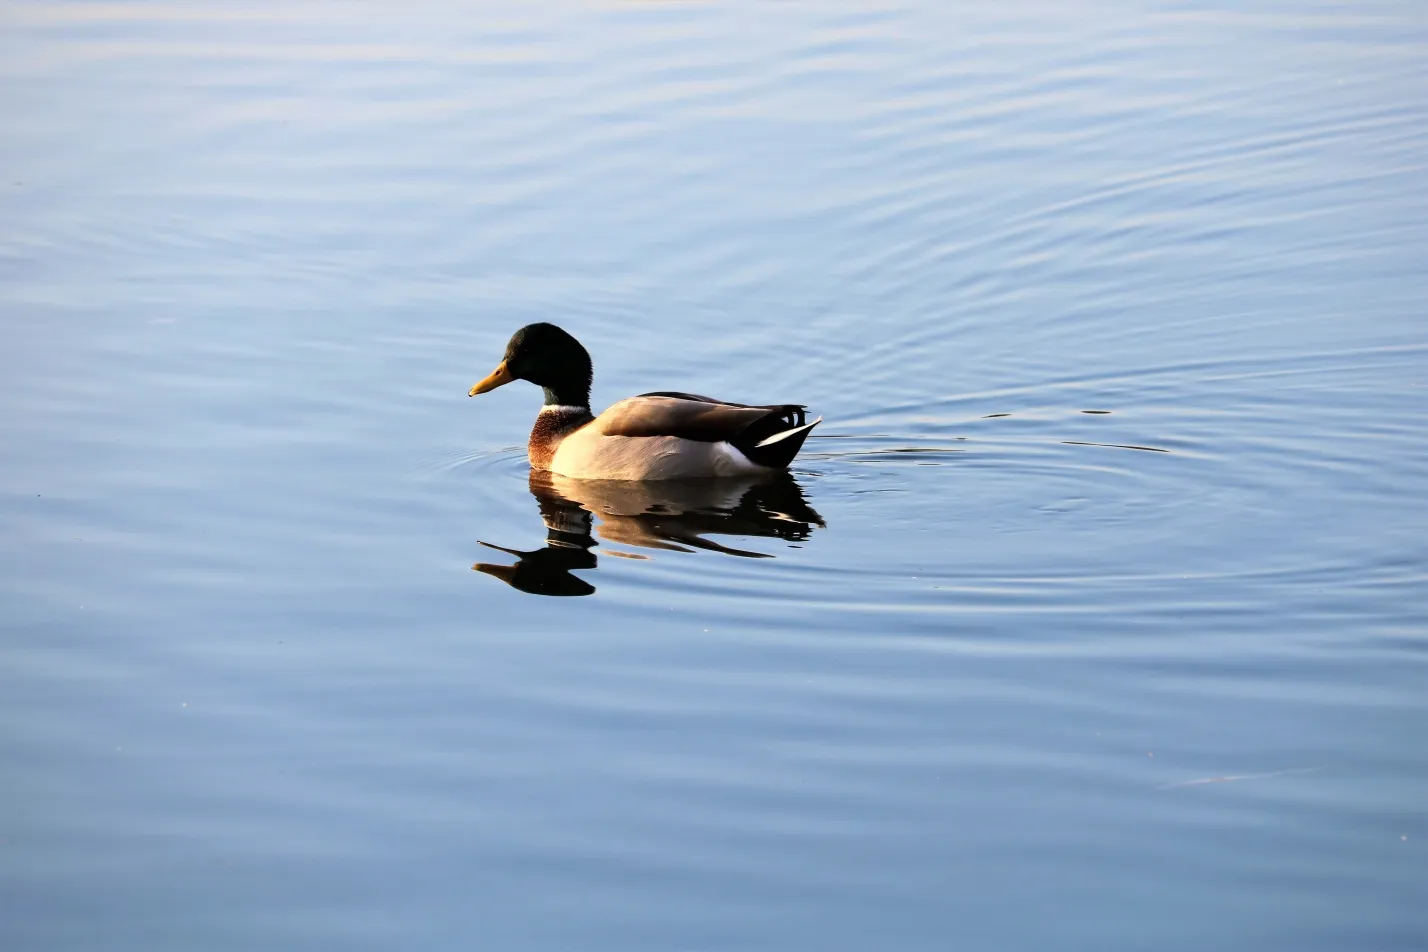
(1094,616)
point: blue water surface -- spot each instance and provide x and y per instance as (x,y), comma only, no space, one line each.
(1093,616)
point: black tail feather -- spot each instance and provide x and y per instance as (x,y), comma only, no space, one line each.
(778,454)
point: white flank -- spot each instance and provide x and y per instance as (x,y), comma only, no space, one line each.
(586,454)
(728,461)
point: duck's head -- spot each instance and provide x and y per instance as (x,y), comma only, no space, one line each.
(548,357)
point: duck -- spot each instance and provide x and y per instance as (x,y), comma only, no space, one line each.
(653,436)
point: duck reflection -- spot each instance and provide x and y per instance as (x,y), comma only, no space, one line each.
(671,515)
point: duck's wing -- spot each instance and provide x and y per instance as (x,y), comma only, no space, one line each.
(691,417)
(768,435)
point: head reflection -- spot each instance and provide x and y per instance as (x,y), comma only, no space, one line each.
(671,515)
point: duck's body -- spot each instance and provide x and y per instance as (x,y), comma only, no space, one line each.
(654,436)
(664,436)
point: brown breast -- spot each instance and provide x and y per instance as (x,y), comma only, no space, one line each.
(552,426)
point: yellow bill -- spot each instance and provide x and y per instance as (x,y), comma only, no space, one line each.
(497,378)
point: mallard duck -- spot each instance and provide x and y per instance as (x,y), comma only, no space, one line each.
(661,435)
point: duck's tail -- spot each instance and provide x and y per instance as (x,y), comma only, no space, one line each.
(777,450)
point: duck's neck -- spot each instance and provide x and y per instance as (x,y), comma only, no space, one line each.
(567,396)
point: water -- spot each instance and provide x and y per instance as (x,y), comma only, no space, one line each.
(1092,617)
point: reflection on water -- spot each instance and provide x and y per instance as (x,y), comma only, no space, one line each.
(672,515)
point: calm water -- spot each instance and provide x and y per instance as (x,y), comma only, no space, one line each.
(1093,617)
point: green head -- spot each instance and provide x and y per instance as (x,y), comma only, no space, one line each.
(548,357)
